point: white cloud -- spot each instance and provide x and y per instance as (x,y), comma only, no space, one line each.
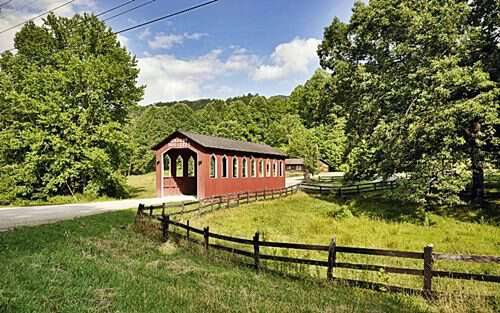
(123,40)
(167,41)
(296,56)
(17,12)
(170,78)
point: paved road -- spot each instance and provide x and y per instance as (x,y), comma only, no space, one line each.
(34,215)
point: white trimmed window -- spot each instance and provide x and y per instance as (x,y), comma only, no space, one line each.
(235,166)
(244,167)
(275,169)
(166,165)
(268,168)
(213,166)
(191,165)
(281,168)
(253,167)
(224,167)
(179,167)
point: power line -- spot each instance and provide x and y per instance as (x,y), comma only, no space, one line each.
(99,14)
(126,11)
(39,15)
(115,8)
(157,19)
(166,16)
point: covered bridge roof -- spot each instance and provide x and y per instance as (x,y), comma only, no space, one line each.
(221,143)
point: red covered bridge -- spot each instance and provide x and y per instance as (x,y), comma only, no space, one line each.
(200,165)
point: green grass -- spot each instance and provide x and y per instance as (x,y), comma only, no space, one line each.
(99,264)
(142,186)
(373,223)
(139,187)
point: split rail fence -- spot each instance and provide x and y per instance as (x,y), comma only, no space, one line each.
(348,189)
(216,202)
(427,256)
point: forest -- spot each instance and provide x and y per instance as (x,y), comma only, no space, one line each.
(405,88)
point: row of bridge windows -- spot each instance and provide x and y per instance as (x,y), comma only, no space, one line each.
(248,168)
(179,166)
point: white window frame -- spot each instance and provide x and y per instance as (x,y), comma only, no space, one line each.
(224,157)
(235,158)
(262,168)
(244,167)
(210,167)
(268,168)
(182,168)
(275,169)
(194,166)
(253,167)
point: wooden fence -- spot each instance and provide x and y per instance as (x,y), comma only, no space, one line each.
(348,189)
(216,202)
(427,256)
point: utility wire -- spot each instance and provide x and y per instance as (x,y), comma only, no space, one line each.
(39,15)
(157,19)
(166,16)
(128,10)
(115,8)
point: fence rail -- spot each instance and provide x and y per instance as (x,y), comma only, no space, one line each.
(348,189)
(427,256)
(216,202)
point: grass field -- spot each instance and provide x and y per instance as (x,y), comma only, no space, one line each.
(99,264)
(364,223)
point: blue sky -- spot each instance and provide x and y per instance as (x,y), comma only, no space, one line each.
(230,48)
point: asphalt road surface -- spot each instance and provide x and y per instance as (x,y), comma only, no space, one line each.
(11,217)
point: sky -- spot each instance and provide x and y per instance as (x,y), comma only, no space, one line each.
(229,48)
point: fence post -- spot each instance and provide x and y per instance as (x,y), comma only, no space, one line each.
(165,221)
(427,291)
(205,238)
(357,188)
(237,200)
(332,259)
(256,251)
(228,200)
(151,210)
(163,209)
(187,231)
(264,193)
(140,207)
(182,210)
(320,190)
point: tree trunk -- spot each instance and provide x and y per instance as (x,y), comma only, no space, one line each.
(307,176)
(477,188)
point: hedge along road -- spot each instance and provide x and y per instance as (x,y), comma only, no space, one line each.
(11,217)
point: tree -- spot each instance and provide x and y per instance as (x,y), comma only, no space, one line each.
(413,100)
(64,101)
(311,100)
(302,143)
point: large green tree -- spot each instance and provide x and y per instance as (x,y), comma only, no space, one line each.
(64,101)
(414,100)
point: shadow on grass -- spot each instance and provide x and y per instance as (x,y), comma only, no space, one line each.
(377,206)
(28,240)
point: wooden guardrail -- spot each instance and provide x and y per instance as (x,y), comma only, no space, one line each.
(215,202)
(428,256)
(347,189)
